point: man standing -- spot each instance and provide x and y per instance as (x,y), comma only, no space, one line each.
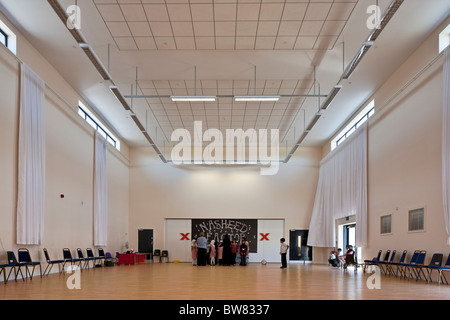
(201,249)
(283,251)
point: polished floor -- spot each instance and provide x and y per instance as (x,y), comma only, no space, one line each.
(182,281)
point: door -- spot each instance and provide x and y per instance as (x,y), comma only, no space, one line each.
(298,248)
(145,240)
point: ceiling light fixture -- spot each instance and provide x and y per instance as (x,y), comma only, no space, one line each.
(357,59)
(387,16)
(62,14)
(95,61)
(193,98)
(257,98)
(331,97)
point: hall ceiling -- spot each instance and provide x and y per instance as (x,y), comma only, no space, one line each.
(161,48)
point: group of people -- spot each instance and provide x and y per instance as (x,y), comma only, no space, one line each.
(206,252)
(337,259)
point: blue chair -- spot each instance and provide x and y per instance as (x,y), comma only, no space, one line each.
(390,265)
(372,262)
(435,264)
(441,270)
(50,262)
(25,260)
(384,265)
(13,263)
(417,268)
(3,270)
(403,267)
(86,260)
(67,255)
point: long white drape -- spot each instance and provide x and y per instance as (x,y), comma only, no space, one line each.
(341,191)
(446,142)
(100,192)
(31,159)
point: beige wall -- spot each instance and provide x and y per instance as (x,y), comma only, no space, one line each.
(159,191)
(69,163)
(404,155)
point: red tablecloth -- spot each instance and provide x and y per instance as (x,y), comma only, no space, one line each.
(131,258)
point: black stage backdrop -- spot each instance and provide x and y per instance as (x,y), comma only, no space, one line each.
(215,229)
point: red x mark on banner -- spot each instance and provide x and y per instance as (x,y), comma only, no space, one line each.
(184,236)
(264,236)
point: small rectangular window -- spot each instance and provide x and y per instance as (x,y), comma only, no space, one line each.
(416,220)
(386,224)
(3,38)
(444,39)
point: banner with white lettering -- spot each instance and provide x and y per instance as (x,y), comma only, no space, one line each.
(236,229)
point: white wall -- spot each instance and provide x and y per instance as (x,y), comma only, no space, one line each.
(68,221)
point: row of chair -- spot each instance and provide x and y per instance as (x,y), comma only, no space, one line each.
(24,260)
(415,268)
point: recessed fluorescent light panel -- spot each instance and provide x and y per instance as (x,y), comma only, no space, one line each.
(256,98)
(193,98)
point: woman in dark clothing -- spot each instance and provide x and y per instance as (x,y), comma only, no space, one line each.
(226,250)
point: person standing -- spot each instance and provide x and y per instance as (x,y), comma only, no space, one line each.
(283,251)
(194,252)
(243,251)
(201,250)
(226,243)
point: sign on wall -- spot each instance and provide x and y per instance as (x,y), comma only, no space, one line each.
(216,229)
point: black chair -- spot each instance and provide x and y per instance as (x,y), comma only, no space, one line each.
(67,255)
(165,256)
(25,260)
(50,262)
(90,255)
(13,263)
(435,264)
(384,264)
(351,260)
(373,261)
(86,260)
(441,270)
(157,255)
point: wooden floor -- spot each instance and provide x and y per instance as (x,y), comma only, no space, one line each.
(182,281)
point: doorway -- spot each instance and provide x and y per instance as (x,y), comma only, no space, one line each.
(145,240)
(298,248)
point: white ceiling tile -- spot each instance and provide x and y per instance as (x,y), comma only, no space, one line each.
(225,43)
(268,28)
(224,12)
(271,11)
(179,12)
(203,29)
(341,11)
(140,29)
(325,42)
(289,28)
(118,29)
(161,29)
(156,12)
(245,43)
(165,43)
(265,43)
(248,11)
(110,12)
(311,28)
(332,28)
(125,43)
(317,11)
(224,29)
(185,43)
(145,43)
(285,43)
(294,11)
(305,43)
(205,43)
(202,12)
(133,12)
(182,29)
(246,28)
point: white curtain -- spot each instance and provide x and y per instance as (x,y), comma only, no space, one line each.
(31,159)
(446,143)
(100,192)
(341,191)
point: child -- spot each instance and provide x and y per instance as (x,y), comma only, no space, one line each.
(243,251)
(234,251)
(194,252)
(212,253)
(283,251)
(220,253)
